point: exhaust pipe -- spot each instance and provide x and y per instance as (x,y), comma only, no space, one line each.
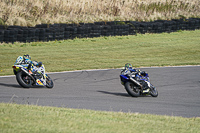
(28,74)
(136,82)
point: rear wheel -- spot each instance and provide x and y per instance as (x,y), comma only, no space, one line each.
(49,82)
(132,89)
(24,80)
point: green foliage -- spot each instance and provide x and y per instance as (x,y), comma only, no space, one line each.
(121,23)
(179,31)
(2,22)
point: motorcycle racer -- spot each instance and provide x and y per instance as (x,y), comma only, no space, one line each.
(31,73)
(137,82)
(26,60)
(128,70)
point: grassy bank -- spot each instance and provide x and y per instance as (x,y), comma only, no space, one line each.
(30,118)
(32,12)
(180,48)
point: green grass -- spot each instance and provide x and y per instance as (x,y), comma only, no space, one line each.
(178,48)
(30,118)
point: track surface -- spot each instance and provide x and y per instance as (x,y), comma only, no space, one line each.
(178,88)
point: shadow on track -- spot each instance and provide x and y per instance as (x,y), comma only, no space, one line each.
(18,86)
(10,85)
(114,93)
(122,94)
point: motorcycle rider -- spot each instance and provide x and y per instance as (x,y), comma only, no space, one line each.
(27,60)
(128,70)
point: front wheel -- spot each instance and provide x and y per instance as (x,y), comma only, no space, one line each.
(24,80)
(49,82)
(153,91)
(132,89)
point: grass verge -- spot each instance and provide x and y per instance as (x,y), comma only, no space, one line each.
(31,118)
(178,48)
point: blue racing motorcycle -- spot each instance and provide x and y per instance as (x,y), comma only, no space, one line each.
(137,83)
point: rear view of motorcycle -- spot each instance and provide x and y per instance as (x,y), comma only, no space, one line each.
(29,75)
(137,82)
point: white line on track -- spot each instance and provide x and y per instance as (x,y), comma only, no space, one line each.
(108,69)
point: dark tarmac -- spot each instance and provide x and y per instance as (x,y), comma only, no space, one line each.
(178,92)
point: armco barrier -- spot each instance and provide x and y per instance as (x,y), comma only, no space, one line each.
(45,32)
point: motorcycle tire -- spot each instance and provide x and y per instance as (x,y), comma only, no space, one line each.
(49,82)
(153,92)
(23,82)
(131,90)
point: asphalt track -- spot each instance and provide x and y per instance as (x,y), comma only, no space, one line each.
(178,88)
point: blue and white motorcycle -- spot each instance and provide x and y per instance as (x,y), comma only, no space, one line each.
(137,83)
